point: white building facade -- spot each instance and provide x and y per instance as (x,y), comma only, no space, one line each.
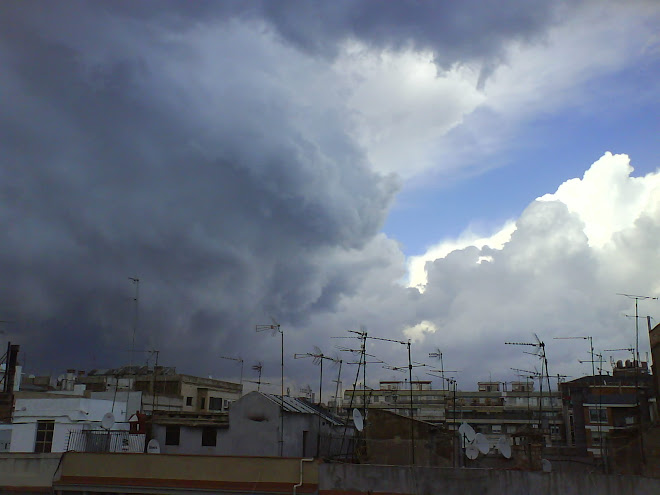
(46,424)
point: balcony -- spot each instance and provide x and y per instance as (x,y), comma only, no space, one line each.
(105,441)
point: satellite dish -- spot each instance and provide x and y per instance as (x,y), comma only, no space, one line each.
(546,465)
(482,443)
(504,447)
(153,447)
(471,451)
(358,420)
(108,421)
(467,432)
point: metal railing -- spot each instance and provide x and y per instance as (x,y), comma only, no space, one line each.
(105,441)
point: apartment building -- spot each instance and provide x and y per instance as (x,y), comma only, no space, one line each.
(163,389)
(599,407)
(494,409)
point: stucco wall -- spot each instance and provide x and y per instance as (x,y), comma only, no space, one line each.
(68,413)
(351,478)
(254,429)
(113,473)
(27,472)
(190,441)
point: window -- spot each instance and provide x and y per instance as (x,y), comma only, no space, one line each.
(497,428)
(202,403)
(44,439)
(189,401)
(172,435)
(209,437)
(596,438)
(215,403)
(597,415)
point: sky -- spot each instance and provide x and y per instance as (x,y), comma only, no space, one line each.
(460,174)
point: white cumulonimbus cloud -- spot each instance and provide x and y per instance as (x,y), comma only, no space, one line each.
(556,271)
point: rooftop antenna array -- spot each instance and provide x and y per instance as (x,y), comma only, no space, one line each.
(539,351)
(438,355)
(599,360)
(593,372)
(362,335)
(275,328)
(637,365)
(451,382)
(410,367)
(636,316)
(318,358)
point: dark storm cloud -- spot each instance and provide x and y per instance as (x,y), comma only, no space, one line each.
(107,173)
(455,31)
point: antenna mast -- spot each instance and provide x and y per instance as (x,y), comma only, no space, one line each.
(240,361)
(637,366)
(275,328)
(136,282)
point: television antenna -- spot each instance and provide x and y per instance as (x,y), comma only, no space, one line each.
(438,355)
(318,357)
(363,336)
(637,366)
(629,349)
(238,359)
(275,328)
(135,281)
(539,351)
(636,316)
(412,410)
(258,368)
(591,347)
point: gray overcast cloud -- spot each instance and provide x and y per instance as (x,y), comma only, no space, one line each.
(207,148)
